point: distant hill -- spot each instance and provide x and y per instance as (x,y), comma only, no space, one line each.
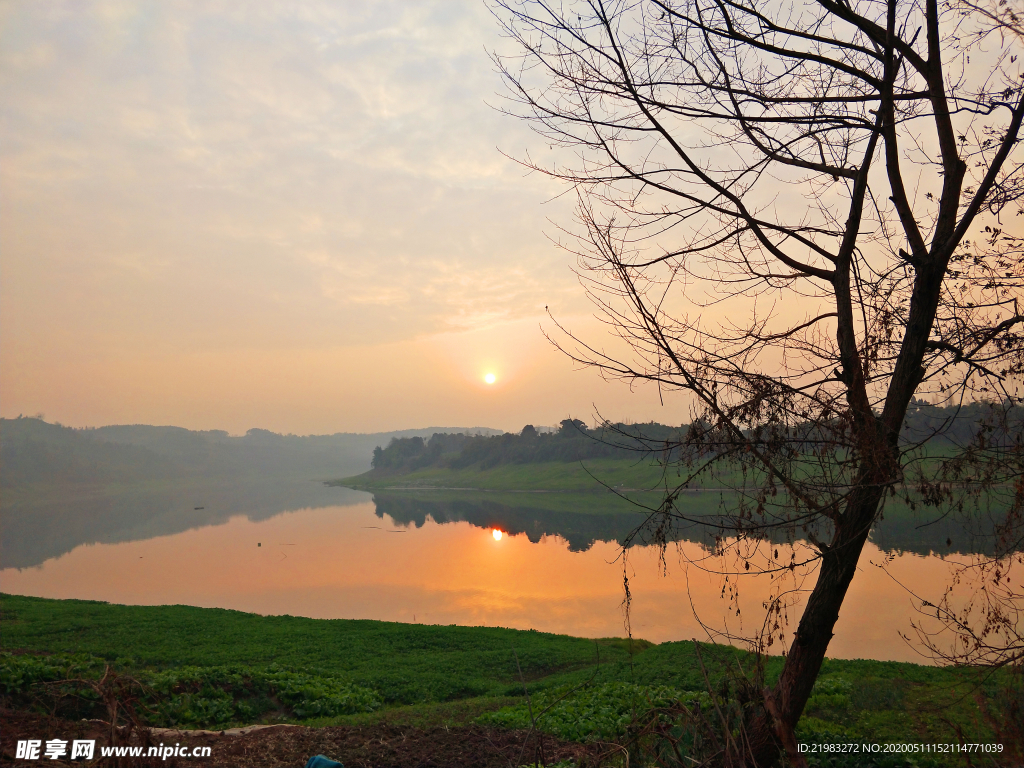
(61,487)
(34,452)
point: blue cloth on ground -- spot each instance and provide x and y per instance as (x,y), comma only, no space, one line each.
(319,761)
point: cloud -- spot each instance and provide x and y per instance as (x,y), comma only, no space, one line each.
(207,175)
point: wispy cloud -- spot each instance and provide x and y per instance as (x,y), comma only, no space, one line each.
(327,159)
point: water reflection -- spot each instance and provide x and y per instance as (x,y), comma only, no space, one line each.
(582,519)
(34,528)
(449,567)
(37,526)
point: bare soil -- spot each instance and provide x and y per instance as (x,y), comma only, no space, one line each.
(381,745)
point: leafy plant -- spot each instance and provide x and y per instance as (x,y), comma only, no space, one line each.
(216,695)
(597,713)
(19,672)
(192,695)
(832,693)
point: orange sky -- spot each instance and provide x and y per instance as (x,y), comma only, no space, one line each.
(297,219)
(301,218)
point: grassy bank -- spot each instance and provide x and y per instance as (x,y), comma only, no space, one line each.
(211,667)
(406,663)
(589,475)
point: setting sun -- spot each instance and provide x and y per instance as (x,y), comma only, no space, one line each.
(496,534)
(490,378)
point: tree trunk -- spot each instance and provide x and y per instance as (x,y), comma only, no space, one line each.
(838,565)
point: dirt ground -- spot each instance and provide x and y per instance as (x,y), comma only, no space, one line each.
(373,746)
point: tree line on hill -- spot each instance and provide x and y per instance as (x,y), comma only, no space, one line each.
(573,441)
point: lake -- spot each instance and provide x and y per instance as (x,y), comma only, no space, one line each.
(549,562)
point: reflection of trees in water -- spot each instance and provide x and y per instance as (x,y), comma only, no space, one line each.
(579,529)
(902,530)
(926,531)
(34,530)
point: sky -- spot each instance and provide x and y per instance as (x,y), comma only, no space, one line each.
(295,216)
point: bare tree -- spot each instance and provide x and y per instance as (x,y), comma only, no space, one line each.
(792,213)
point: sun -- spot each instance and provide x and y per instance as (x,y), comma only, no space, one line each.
(496,534)
(490,378)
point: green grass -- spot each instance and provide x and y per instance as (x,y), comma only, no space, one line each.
(639,474)
(212,667)
(406,663)
(546,476)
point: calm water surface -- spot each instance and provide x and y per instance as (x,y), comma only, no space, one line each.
(356,561)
